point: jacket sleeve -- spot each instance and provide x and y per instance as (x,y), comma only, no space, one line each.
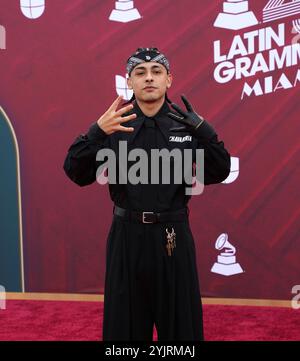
(216,157)
(80,164)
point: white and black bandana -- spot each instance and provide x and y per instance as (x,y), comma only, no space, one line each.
(145,55)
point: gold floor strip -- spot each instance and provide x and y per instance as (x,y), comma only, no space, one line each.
(54,296)
(100,298)
(246,302)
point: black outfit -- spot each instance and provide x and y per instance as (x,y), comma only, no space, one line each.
(144,284)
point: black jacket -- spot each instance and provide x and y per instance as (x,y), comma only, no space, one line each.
(81,166)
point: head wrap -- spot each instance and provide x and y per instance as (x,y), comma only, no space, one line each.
(145,55)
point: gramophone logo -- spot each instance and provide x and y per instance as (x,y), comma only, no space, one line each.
(237,15)
(32,9)
(226,264)
(124,12)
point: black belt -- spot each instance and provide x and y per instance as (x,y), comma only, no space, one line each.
(152,217)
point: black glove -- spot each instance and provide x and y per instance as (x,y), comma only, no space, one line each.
(192,121)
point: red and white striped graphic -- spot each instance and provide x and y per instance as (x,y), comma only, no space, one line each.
(278,9)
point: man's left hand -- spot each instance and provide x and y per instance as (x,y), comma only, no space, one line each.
(191,120)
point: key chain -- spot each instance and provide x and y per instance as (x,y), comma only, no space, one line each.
(171,244)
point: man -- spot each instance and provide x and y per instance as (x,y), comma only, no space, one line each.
(151,270)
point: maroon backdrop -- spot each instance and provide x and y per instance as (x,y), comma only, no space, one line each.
(57,76)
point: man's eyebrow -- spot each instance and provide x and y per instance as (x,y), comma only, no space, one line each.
(140,67)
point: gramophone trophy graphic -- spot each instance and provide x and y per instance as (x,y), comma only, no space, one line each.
(226,264)
(235,15)
(124,12)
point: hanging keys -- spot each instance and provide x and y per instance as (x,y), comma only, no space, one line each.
(171,244)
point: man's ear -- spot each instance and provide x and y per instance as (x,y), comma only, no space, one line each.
(169,81)
(129,83)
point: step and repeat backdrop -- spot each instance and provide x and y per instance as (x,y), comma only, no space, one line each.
(62,63)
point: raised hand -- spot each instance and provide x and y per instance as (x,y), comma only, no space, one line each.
(112,119)
(190,119)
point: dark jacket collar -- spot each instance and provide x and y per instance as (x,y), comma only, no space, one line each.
(162,120)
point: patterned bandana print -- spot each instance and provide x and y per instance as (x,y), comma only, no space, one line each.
(145,55)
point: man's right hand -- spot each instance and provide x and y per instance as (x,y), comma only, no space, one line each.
(112,119)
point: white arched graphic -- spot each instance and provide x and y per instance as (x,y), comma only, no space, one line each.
(2,37)
(32,9)
(296,25)
(122,87)
(234,170)
(2,298)
(18,182)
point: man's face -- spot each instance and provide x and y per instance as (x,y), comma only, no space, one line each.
(149,81)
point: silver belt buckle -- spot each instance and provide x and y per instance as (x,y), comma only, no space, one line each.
(144,213)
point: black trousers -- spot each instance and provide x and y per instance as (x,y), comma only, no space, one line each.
(145,286)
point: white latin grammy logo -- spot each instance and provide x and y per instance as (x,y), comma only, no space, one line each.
(226,264)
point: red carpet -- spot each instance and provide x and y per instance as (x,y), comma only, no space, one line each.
(49,320)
